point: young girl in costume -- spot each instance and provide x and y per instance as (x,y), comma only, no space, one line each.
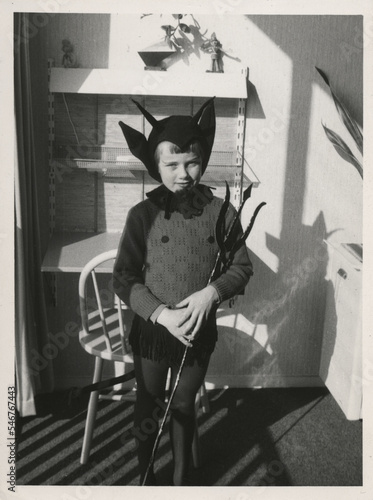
(166,254)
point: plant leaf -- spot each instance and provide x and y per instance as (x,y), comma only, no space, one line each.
(220,224)
(323,75)
(240,242)
(345,116)
(184,28)
(168,28)
(342,149)
(232,233)
(247,192)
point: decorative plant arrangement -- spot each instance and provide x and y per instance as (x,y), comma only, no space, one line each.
(339,144)
(175,45)
(170,31)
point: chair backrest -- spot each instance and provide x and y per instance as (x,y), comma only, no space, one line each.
(90,270)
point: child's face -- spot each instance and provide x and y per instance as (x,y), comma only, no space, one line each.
(178,171)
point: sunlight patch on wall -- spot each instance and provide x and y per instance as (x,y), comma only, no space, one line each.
(127,36)
(266,138)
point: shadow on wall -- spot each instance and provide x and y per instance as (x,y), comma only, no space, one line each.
(334,41)
(278,325)
(254,107)
(282,314)
(88,33)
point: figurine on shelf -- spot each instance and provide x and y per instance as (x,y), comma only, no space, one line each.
(213,46)
(69,58)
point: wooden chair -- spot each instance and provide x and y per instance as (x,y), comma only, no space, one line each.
(103,333)
(104,336)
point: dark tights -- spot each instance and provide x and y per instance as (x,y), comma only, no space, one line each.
(151,380)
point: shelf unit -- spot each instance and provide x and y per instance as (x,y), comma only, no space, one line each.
(94,179)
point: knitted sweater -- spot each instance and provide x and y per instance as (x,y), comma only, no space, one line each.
(163,261)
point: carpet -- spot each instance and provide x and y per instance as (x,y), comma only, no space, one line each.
(252,437)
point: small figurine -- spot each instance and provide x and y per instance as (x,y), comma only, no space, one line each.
(68,59)
(213,46)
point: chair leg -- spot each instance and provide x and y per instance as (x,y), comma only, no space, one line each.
(91,414)
(196,451)
(204,399)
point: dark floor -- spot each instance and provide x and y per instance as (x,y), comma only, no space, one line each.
(266,437)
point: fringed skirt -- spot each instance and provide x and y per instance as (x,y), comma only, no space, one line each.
(155,342)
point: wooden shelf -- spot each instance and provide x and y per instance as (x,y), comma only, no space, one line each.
(69,252)
(160,83)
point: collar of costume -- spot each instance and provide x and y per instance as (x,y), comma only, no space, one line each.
(178,129)
(189,206)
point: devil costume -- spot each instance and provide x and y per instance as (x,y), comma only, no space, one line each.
(166,253)
(168,247)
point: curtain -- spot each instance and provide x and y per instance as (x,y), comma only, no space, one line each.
(34,372)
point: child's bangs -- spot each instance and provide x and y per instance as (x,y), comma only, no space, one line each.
(193,147)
